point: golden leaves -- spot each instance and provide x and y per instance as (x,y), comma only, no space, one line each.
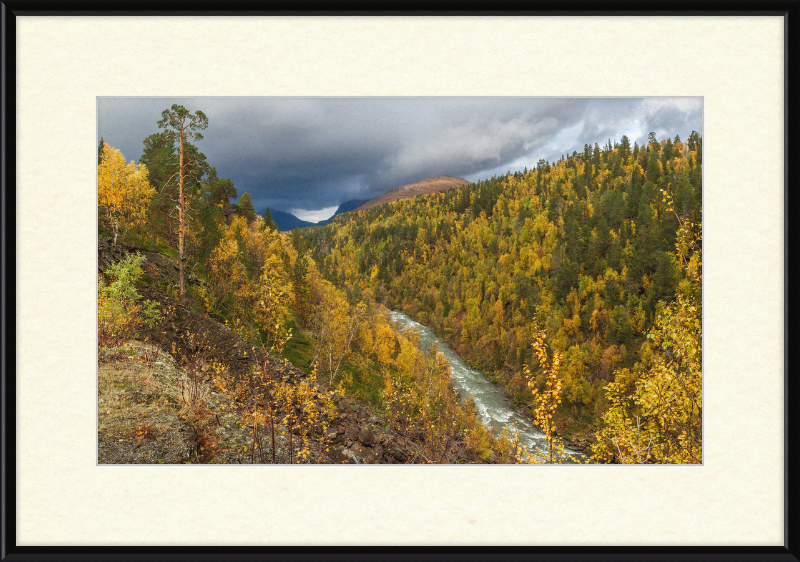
(661,420)
(547,400)
(123,192)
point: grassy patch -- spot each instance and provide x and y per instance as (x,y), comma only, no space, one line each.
(165,249)
(300,349)
(362,380)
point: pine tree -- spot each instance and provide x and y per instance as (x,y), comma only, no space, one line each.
(221,191)
(297,239)
(268,221)
(246,208)
(302,305)
(182,126)
(161,159)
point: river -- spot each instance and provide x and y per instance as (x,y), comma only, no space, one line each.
(489,399)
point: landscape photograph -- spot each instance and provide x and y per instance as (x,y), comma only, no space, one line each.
(399,280)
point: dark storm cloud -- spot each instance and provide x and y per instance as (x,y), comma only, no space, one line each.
(314,153)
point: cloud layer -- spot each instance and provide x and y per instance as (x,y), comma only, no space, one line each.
(314,153)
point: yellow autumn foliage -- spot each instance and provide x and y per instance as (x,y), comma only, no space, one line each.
(123,192)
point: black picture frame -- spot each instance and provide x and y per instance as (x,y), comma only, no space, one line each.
(789,10)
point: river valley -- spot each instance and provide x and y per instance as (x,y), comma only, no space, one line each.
(490,400)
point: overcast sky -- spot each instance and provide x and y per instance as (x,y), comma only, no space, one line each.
(307,155)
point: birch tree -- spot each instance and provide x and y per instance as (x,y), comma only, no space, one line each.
(123,192)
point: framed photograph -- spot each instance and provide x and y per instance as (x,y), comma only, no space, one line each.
(457,244)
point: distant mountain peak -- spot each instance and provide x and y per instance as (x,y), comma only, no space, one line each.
(287,221)
(421,187)
(345,207)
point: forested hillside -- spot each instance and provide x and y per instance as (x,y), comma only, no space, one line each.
(595,246)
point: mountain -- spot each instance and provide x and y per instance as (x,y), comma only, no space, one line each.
(286,221)
(421,187)
(345,207)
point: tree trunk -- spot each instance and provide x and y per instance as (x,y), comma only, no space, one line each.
(181,230)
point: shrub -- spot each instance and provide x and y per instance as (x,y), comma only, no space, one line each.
(120,310)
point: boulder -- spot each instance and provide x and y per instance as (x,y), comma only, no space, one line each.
(360,451)
(352,457)
(366,437)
